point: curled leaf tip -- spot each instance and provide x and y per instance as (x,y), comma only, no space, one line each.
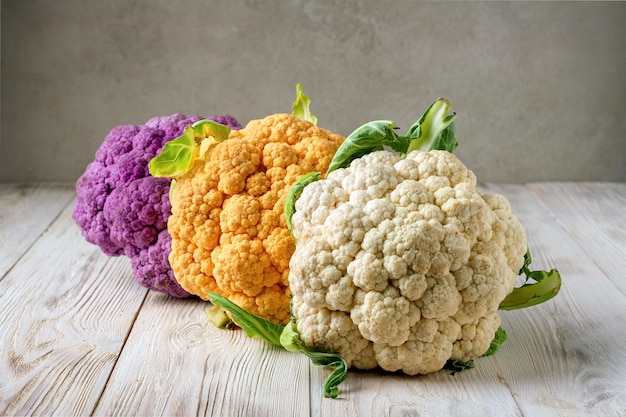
(434,130)
(300,107)
(370,137)
(209,128)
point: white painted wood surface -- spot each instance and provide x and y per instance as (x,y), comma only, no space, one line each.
(25,212)
(79,337)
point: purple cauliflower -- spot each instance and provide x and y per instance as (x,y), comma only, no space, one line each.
(153,270)
(124,210)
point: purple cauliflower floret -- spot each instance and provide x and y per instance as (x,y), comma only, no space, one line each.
(122,209)
(124,139)
(137,212)
(152,269)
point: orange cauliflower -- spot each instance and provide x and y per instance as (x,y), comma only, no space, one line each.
(228,228)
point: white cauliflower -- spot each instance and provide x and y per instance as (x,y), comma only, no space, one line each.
(402,262)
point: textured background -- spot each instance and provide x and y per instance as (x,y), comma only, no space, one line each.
(538,87)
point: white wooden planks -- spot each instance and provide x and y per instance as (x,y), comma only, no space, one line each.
(176,364)
(25,213)
(66,312)
(594,215)
(565,357)
(477,392)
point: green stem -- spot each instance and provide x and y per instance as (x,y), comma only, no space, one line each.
(431,127)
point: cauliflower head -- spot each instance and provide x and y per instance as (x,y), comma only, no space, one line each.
(228,228)
(401,263)
(122,209)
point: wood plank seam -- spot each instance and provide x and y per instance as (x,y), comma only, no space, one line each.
(119,353)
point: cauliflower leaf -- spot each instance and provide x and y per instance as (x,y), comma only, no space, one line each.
(300,107)
(434,130)
(178,155)
(546,286)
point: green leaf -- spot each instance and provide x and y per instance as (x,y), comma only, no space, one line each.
(288,338)
(458,366)
(533,294)
(294,193)
(300,107)
(368,138)
(498,339)
(253,325)
(434,130)
(446,141)
(546,286)
(177,156)
(336,377)
(207,128)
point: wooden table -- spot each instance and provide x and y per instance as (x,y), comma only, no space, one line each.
(80,337)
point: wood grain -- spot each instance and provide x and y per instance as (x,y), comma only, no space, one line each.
(176,363)
(594,214)
(565,356)
(25,213)
(477,392)
(67,309)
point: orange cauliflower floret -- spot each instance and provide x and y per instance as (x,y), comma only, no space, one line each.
(228,227)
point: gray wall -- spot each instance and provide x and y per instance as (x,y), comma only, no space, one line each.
(538,87)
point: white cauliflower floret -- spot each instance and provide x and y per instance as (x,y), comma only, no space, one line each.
(333,331)
(402,263)
(427,349)
(382,317)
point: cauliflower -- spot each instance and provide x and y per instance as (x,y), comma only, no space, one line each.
(122,209)
(401,261)
(408,265)
(228,228)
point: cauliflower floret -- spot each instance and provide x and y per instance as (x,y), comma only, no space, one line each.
(426,350)
(333,331)
(407,256)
